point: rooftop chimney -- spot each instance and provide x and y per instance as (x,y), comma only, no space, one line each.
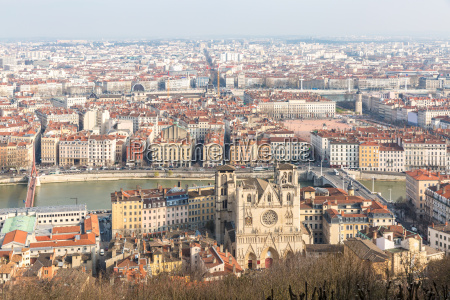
(375,236)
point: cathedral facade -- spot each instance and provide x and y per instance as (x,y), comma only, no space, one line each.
(259,220)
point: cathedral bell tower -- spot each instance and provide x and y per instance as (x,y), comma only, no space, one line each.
(225,190)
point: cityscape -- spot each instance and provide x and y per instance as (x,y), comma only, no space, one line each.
(297,165)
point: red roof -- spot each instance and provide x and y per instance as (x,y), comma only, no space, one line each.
(17,236)
(91,224)
(67,229)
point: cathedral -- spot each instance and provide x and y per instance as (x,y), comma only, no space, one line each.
(257,220)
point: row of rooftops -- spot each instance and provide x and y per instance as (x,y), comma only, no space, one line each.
(391,139)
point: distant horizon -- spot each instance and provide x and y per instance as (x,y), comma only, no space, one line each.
(197,19)
(303,38)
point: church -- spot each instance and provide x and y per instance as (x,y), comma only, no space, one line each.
(257,220)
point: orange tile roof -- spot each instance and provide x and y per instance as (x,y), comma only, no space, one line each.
(91,224)
(17,236)
(66,229)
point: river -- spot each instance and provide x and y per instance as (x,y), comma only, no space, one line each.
(398,189)
(96,194)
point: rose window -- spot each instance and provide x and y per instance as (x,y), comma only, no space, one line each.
(269,218)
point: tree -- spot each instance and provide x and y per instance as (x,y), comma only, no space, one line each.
(170,173)
(156,174)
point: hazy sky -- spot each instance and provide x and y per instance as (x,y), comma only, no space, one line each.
(96,19)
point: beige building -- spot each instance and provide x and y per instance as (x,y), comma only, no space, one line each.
(16,155)
(298,109)
(417,182)
(437,203)
(173,148)
(49,149)
(439,237)
(74,150)
(262,219)
(126,211)
(102,150)
(243,152)
(333,215)
(171,154)
(201,206)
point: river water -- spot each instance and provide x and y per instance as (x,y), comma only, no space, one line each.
(397,193)
(96,194)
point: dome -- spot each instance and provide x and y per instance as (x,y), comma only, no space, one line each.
(138,88)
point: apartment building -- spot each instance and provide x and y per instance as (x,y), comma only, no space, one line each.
(137,116)
(94,120)
(295,109)
(50,141)
(68,102)
(18,155)
(74,149)
(154,212)
(213,150)
(424,116)
(287,149)
(339,227)
(369,156)
(136,154)
(343,153)
(200,127)
(126,213)
(49,149)
(173,148)
(177,204)
(439,237)
(102,150)
(116,86)
(437,203)
(60,115)
(171,154)
(214,262)
(429,153)
(391,158)
(201,206)
(333,215)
